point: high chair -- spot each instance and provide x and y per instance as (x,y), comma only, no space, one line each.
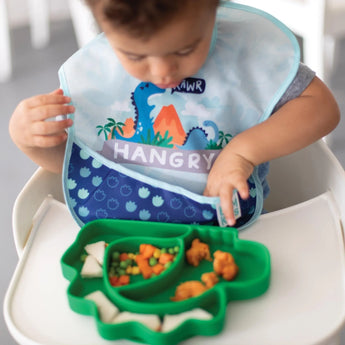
(5,47)
(84,24)
(39,23)
(302,229)
(38,12)
(319,22)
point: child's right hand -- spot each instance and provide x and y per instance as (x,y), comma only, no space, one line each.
(29,128)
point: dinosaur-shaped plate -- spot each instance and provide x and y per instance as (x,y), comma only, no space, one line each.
(153,295)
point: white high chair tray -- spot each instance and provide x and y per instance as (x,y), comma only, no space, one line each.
(305,303)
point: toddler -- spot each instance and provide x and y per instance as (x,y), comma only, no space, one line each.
(194,96)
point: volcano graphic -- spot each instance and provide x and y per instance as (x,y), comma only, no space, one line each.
(168,121)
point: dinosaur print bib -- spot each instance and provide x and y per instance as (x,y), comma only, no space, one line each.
(139,152)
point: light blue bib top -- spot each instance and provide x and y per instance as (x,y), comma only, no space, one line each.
(136,151)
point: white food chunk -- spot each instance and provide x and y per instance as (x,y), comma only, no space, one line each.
(170,322)
(106,309)
(97,250)
(149,320)
(91,268)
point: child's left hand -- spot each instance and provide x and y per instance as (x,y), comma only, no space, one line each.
(230,171)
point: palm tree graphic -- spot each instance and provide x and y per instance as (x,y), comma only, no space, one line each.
(110,127)
(224,138)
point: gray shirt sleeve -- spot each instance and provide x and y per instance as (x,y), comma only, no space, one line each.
(302,79)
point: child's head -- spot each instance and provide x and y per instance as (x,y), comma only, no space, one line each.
(159,41)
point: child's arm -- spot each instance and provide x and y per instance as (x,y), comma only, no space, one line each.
(43,141)
(297,124)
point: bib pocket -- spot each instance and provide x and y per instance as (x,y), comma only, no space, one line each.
(96,189)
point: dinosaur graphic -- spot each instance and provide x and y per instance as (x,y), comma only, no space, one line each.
(143,123)
(197,139)
(160,133)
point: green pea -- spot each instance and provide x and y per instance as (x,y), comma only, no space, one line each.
(116,256)
(176,249)
(152,261)
(168,264)
(83,257)
(171,251)
(164,250)
(123,264)
(121,272)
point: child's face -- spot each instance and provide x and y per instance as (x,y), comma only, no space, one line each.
(175,52)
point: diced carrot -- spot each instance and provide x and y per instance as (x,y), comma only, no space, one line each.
(147,250)
(165,258)
(145,268)
(113,280)
(139,258)
(124,279)
(143,264)
(146,272)
(157,269)
(123,256)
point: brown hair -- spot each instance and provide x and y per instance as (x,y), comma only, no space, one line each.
(141,18)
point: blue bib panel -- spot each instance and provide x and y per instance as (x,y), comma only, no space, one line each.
(136,151)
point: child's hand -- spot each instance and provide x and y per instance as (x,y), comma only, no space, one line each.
(230,171)
(28,126)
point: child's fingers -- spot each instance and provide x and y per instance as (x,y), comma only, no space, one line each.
(57,92)
(206,191)
(243,190)
(41,100)
(225,196)
(46,141)
(50,127)
(43,113)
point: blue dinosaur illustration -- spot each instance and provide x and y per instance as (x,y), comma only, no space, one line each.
(143,123)
(197,139)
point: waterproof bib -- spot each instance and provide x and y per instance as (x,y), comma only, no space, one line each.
(139,152)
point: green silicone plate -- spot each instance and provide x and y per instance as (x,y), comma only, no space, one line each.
(153,295)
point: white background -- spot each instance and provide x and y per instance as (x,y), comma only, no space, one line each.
(18,11)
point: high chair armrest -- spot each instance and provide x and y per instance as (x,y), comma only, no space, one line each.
(304,175)
(40,185)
